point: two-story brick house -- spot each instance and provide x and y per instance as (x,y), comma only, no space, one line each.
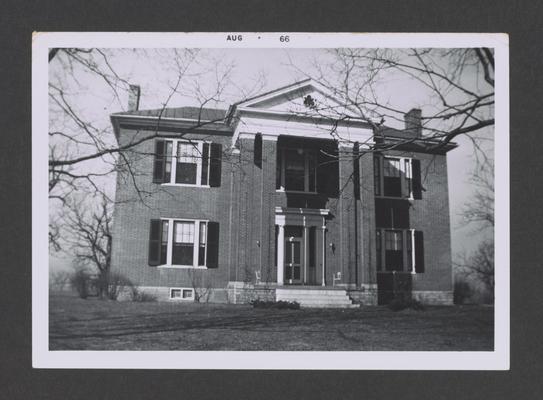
(287,195)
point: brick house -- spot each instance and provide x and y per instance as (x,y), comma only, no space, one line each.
(278,198)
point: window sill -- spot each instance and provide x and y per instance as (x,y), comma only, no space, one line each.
(400,272)
(166,266)
(394,197)
(293,191)
(186,185)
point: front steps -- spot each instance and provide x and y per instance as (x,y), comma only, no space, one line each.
(315,297)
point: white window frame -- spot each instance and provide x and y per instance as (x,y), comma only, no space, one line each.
(181,289)
(195,245)
(306,171)
(199,144)
(407,173)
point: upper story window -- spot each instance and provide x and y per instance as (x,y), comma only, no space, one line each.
(182,162)
(296,170)
(397,177)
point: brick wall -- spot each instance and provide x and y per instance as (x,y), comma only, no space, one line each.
(244,207)
(431,216)
(131,220)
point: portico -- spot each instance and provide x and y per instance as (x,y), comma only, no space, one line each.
(301,246)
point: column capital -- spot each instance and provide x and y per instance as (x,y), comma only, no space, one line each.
(346,145)
(271,138)
(246,135)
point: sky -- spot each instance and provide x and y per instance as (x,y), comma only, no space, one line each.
(250,72)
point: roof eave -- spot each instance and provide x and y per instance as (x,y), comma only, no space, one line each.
(425,145)
(146,121)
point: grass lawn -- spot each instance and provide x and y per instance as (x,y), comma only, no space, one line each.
(93,324)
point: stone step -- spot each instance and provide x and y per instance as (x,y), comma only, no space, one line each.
(308,301)
(316,298)
(313,292)
(330,305)
(308,295)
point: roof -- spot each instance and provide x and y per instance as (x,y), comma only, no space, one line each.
(387,131)
(196,113)
(220,119)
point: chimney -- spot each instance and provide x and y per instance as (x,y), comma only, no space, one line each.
(133,98)
(413,122)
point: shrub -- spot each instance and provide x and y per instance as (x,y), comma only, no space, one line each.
(399,304)
(80,281)
(462,291)
(141,296)
(117,284)
(280,305)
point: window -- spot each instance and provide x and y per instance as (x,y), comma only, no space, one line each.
(188,160)
(400,250)
(182,162)
(397,177)
(183,243)
(392,177)
(394,250)
(296,170)
(181,294)
(392,213)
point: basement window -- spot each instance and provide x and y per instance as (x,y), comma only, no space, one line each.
(186,294)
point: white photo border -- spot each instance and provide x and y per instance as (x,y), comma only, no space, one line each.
(499,359)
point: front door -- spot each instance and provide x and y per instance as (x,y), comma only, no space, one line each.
(293,260)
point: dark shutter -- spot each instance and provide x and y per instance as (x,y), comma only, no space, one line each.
(377,174)
(215,165)
(154,242)
(158,166)
(205,164)
(212,244)
(419,252)
(258,150)
(356,171)
(417,182)
(328,174)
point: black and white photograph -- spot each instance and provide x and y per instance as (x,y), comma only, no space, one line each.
(270,201)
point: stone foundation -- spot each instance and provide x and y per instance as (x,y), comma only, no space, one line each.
(366,296)
(243,293)
(433,298)
(162,293)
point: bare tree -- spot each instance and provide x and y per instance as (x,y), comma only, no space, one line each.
(479,265)
(458,85)
(89,237)
(479,208)
(84,156)
(77,140)
(479,212)
(58,280)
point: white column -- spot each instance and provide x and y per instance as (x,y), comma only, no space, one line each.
(306,252)
(280,254)
(323,227)
(412,238)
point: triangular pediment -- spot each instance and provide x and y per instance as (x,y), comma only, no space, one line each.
(307,98)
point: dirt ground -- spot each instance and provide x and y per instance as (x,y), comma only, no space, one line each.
(93,324)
